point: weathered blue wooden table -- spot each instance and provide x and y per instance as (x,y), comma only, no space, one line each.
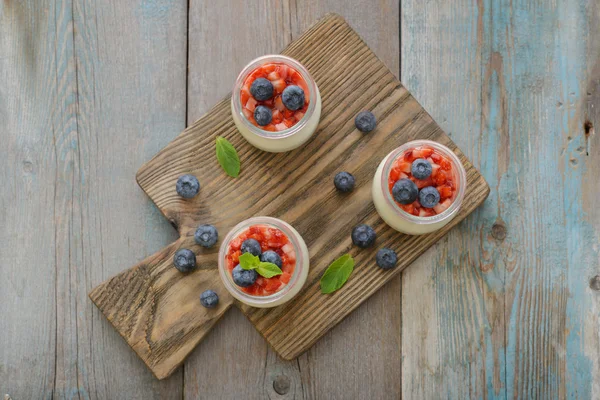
(507,305)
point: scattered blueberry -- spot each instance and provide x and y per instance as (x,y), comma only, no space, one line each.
(429,197)
(365,121)
(271,257)
(209,299)
(344,182)
(244,277)
(293,97)
(251,246)
(261,89)
(421,168)
(363,236)
(187,186)
(262,115)
(405,191)
(386,258)
(184,260)
(206,235)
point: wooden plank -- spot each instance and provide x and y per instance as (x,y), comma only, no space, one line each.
(131,81)
(503,307)
(80,76)
(262,28)
(223,37)
(30,104)
(367,343)
(291,328)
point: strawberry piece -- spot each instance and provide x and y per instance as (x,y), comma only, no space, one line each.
(245,95)
(408,156)
(279,104)
(247,113)
(445,165)
(445,192)
(268,68)
(421,183)
(409,208)
(426,212)
(270,128)
(443,206)
(440,178)
(289,122)
(395,174)
(269,103)
(277,117)
(281,126)
(405,167)
(436,158)
(417,153)
(298,115)
(283,71)
(273,76)
(426,152)
(288,113)
(434,168)
(251,104)
(279,85)
(285,277)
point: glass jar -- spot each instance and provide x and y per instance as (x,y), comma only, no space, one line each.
(297,279)
(287,139)
(395,216)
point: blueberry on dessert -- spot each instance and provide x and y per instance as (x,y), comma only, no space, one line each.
(405,191)
(243,277)
(251,246)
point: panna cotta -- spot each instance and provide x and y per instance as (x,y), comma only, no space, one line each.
(276,104)
(419,187)
(268,240)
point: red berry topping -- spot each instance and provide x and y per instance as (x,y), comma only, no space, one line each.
(269,239)
(442,178)
(280,76)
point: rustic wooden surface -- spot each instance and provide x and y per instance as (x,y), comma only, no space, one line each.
(507,305)
(156,309)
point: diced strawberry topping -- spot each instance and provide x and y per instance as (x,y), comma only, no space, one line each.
(281,76)
(269,239)
(442,178)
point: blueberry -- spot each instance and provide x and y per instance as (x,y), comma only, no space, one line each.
(206,235)
(184,260)
(261,89)
(365,121)
(262,115)
(293,97)
(187,186)
(363,236)
(209,299)
(244,277)
(405,191)
(421,168)
(251,246)
(386,258)
(429,197)
(344,182)
(271,257)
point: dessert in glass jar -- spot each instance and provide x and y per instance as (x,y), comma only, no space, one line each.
(419,187)
(276,104)
(268,240)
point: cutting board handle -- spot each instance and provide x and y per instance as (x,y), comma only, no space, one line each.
(157,309)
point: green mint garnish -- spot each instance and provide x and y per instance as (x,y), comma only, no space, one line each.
(337,274)
(228,157)
(265,269)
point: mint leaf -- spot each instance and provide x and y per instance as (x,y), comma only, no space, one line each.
(337,274)
(268,270)
(248,261)
(228,157)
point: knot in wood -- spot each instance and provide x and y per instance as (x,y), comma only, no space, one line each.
(281,384)
(595,283)
(499,231)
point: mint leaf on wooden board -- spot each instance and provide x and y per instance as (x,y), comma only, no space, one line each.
(337,274)
(265,269)
(228,157)
(268,270)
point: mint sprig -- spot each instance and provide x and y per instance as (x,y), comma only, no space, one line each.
(265,269)
(337,274)
(228,157)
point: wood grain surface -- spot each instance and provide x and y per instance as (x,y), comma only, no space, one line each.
(502,307)
(154,307)
(456,312)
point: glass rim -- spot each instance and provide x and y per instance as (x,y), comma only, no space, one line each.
(461,182)
(226,277)
(251,66)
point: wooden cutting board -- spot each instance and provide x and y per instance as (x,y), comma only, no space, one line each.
(157,309)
